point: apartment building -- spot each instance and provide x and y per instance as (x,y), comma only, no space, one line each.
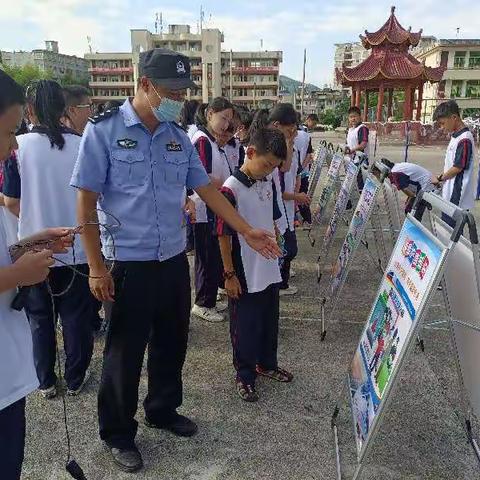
(318,101)
(248,78)
(111,76)
(49,60)
(348,55)
(461,80)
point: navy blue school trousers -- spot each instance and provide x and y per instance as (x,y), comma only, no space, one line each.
(77,308)
(291,249)
(254,332)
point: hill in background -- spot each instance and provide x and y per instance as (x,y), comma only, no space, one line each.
(291,85)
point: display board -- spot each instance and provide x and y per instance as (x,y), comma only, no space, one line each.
(316,171)
(395,218)
(329,187)
(408,280)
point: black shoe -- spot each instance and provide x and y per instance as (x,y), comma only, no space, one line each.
(129,460)
(175,423)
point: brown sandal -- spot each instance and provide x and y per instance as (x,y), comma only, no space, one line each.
(280,375)
(246,392)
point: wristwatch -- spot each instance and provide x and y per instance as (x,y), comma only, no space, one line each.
(229,275)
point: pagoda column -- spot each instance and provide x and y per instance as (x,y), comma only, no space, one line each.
(390,103)
(358,96)
(419,102)
(381,93)
(352,99)
(365,107)
(407,112)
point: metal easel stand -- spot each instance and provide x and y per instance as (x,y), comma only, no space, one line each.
(362,455)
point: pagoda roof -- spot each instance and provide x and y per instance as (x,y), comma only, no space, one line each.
(389,64)
(391,32)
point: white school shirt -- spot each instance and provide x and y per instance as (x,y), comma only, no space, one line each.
(254,202)
(219,170)
(290,179)
(282,221)
(301,142)
(352,138)
(18,377)
(411,177)
(191,130)
(47,199)
(460,189)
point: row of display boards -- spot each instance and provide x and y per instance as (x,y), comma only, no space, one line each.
(414,253)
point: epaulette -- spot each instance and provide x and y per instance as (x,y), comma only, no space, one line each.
(104,115)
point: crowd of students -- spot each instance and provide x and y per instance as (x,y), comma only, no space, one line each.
(234,178)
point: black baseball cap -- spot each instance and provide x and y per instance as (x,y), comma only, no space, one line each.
(166,68)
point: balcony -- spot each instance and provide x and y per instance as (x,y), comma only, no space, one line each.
(252,70)
(109,84)
(110,70)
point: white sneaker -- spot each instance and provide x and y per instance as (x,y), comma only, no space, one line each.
(49,393)
(288,291)
(208,314)
(221,292)
(293,273)
(86,378)
(221,306)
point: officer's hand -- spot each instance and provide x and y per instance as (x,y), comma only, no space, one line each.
(233,288)
(302,198)
(263,242)
(190,210)
(101,284)
(32,267)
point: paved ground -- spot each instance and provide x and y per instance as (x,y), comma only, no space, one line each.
(287,434)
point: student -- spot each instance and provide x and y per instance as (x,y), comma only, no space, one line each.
(213,120)
(457,175)
(284,118)
(78,107)
(311,122)
(187,116)
(410,179)
(252,281)
(46,157)
(245,118)
(303,144)
(357,138)
(17,370)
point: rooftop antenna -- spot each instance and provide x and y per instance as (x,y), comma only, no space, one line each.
(156,22)
(458,31)
(202,17)
(89,41)
(161,22)
(261,44)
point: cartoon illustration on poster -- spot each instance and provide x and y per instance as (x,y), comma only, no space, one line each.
(341,203)
(405,284)
(328,188)
(355,232)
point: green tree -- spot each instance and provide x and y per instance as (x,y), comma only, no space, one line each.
(330,117)
(25,74)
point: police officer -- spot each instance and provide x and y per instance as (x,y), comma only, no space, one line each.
(136,162)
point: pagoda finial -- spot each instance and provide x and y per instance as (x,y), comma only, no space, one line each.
(392,9)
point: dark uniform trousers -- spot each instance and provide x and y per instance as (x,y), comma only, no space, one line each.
(12,440)
(254,332)
(76,309)
(291,249)
(152,307)
(208,265)
(304,210)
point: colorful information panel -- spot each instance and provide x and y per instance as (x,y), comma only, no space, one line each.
(407,281)
(327,191)
(316,170)
(341,203)
(355,233)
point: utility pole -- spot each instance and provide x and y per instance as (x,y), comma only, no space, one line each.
(202,15)
(303,81)
(231,77)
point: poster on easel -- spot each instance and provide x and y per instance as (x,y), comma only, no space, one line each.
(329,187)
(413,267)
(355,233)
(341,204)
(315,173)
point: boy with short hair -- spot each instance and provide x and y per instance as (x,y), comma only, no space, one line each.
(251,281)
(357,138)
(457,175)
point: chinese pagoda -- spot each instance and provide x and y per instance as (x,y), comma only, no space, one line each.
(390,66)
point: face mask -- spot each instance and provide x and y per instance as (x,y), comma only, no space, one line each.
(168,110)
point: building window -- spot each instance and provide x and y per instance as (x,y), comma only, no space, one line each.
(459,60)
(456,88)
(474,61)
(473,88)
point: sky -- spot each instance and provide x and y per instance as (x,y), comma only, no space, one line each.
(284,25)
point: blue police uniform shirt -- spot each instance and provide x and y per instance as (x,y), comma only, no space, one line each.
(141,178)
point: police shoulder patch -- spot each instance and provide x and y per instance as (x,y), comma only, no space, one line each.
(104,115)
